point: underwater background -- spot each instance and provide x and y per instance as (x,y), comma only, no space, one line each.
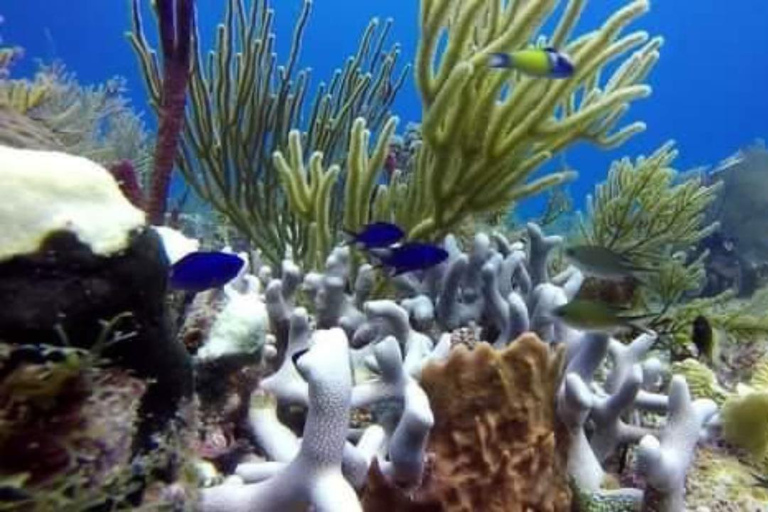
(710,88)
(514,258)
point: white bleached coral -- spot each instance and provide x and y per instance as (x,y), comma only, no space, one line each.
(241,326)
(504,289)
(314,476)
(44,192)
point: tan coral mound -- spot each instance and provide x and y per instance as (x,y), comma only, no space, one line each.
(496,444)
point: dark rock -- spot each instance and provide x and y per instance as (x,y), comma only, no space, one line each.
(66,288)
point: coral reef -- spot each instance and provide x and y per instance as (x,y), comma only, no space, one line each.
(480,145)
(311,381)
(75,253)
(231,167)
(503,290)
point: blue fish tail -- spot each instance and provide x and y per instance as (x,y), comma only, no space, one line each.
(500,60)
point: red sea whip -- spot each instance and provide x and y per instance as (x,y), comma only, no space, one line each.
(176,22)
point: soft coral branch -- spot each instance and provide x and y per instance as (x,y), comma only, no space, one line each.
(175,35)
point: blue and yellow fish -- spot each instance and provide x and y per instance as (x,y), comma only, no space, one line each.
(540,62)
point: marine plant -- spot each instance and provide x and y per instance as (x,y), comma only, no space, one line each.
(169,92)
(53,110)
(486,131)
(640,212)
(243,104)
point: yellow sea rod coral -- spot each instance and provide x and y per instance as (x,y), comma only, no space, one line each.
(487,130)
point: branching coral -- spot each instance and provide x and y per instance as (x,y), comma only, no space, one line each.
(54,111)
(423,446)
(486,131)
(640,212)
(663,463)
(175,19)
(310,192)
(243,106)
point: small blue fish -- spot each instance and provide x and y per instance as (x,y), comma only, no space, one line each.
(541,62)
(377,235)
(200,271)
(412,256)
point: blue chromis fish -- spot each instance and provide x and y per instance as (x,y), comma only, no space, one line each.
(604,263)
(377,235)
(590,315)
(202,270)
(540,62)
(412,256)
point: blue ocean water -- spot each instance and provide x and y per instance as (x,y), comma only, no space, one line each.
(710,87)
